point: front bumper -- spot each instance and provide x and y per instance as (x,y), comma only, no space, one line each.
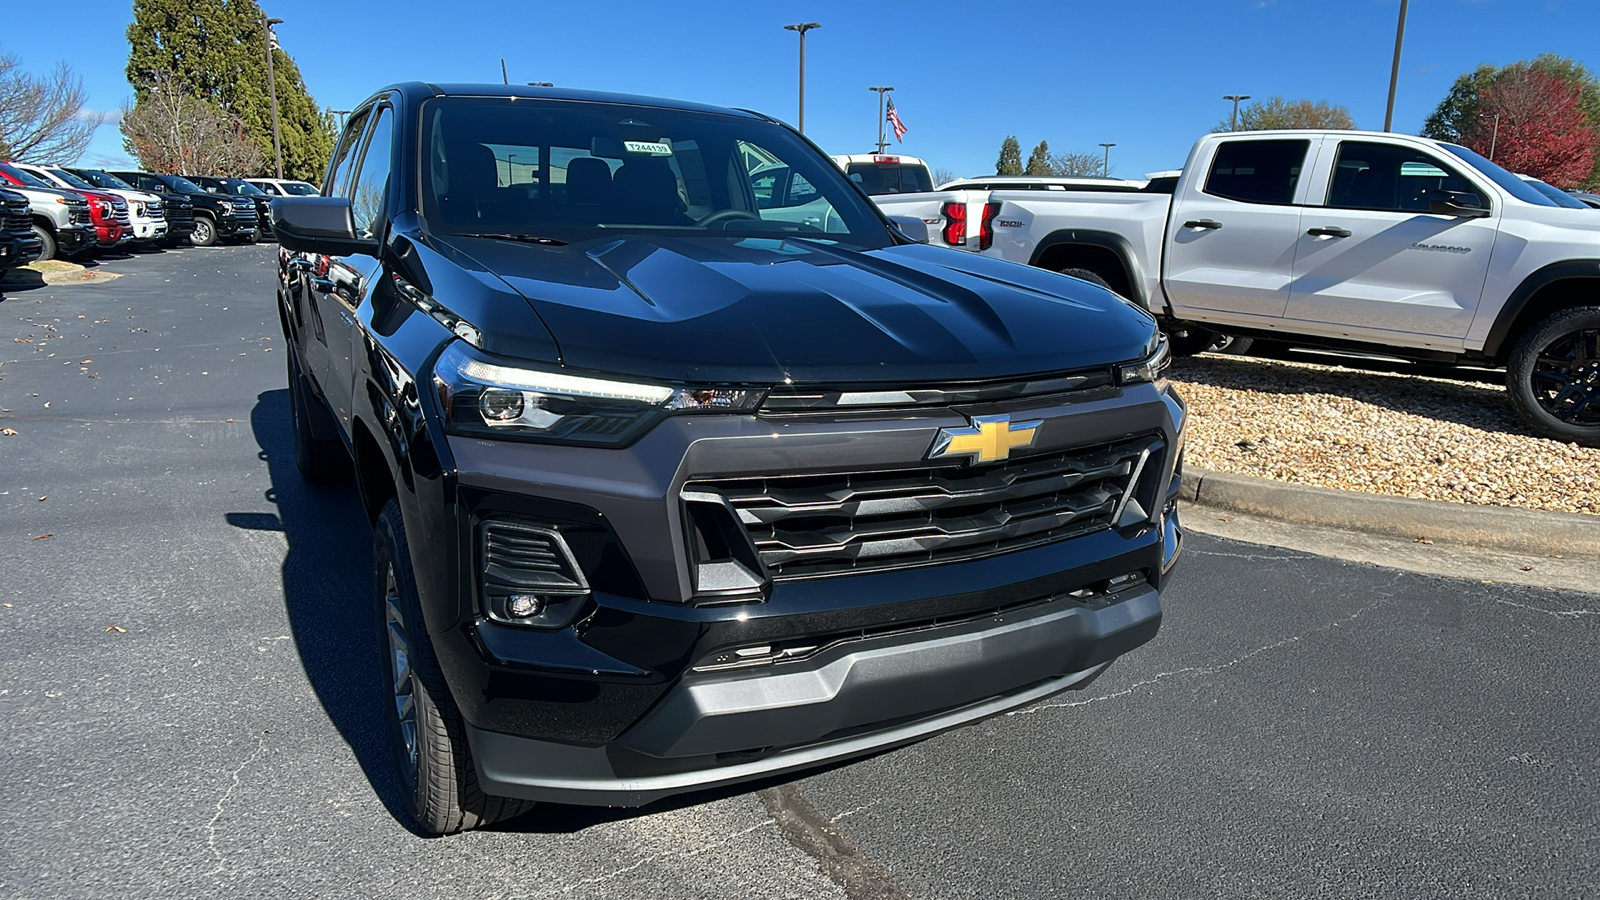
(710,732)
(234,226)
(20,250)
(149,230)
(72,240)
(621,708)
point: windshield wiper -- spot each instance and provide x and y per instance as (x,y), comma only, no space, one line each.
(521,238)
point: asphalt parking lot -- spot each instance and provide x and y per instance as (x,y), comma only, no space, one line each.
(189,684)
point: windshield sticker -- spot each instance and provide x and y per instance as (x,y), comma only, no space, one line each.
(647,147)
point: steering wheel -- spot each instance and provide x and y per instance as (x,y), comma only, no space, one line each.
(723,215)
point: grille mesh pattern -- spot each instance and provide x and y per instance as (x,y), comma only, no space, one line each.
(810,525)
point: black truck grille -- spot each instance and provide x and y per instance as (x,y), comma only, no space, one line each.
(244,209)
(811,525)
(14,218)
(180,212)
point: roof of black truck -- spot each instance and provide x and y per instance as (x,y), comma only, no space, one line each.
(420,89)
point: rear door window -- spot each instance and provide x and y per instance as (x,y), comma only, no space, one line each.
(1256,171)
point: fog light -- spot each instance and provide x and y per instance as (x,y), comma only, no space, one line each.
(522,606)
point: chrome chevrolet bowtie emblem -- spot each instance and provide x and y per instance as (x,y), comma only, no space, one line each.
(990,439)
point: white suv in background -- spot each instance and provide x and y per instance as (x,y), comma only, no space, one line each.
(284,187)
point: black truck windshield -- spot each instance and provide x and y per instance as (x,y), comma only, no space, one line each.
(573,171)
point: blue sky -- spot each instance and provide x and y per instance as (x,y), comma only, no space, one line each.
(1148,75)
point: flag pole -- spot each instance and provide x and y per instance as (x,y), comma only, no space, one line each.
(882,144)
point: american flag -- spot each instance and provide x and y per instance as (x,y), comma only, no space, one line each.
(894,120)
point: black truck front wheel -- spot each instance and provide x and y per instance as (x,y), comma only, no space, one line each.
(1554,376)
(205,232)
(432,761)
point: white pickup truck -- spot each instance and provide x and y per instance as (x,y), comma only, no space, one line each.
(1376,243)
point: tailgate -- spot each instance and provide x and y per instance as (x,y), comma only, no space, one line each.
(931,208)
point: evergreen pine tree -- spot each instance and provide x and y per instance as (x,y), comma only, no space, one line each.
(216,50)
(1010,162)
(1039,161)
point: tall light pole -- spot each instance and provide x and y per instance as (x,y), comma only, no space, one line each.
(1105,170)
(1233,123)
(881,91)
(341,113)
(1394,71)
(272,88)
(802,27)
(1494,136)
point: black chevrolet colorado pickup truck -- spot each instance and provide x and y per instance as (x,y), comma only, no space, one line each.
(680,480)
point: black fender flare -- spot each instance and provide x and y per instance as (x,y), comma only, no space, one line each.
(1106,240)
(1500,332)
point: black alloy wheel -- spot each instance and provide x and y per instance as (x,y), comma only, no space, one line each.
(1554,376)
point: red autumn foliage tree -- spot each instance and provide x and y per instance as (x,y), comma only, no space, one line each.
(1541,131)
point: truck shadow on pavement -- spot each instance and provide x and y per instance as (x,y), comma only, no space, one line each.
(327,595)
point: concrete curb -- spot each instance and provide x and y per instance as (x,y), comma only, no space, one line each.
(1525,531)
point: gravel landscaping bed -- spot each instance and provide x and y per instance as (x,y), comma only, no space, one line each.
(1405,435)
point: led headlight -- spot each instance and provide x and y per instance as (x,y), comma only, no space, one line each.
(1158,359)
(486,398)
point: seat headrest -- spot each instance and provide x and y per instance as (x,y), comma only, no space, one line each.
(588,181)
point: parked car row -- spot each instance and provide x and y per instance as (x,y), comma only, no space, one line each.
(72,211)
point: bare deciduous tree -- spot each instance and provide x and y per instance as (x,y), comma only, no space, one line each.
(943,176)
(1075,165)
(173,132)
(43,119)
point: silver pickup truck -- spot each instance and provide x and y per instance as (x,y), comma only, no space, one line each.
(1376,243)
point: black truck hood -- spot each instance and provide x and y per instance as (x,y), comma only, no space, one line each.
(764,311)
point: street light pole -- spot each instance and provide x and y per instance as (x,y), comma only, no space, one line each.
(1494,136)
(272,88)
(1394,71)
(802,27)
(1233,123)
(881,91)
(341,113)
(1105,170)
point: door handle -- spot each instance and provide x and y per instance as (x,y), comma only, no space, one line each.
(1329,232)
(298,264)
(1202,223)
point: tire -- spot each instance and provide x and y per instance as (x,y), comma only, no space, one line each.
(47,244)
(433,763)
(319,460)
(1553,376)
(1233,345)
(1089,276)
(205,232)
(1190,340)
